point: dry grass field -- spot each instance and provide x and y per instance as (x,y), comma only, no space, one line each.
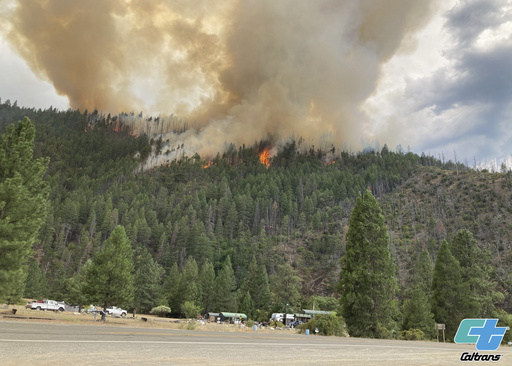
(141,320)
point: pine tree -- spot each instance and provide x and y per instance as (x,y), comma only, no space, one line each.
(423,273)
(475,264)
(35,286)
(190,289)
(367,280)
(224,287)
(258,285)
(286,287)
(247,305)
(207,280)
(417,313)
(75,286)
(450,295)
(172,287)
(23,197)
(109,279)
(148,283)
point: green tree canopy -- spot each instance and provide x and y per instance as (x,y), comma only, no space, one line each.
(207,281)
(256,282)
(450,295)
(109,279)
(224,288)
(75,286)
(367,279)
(23,197)
(148,283)
(475,264)
(417,312)
(286,287)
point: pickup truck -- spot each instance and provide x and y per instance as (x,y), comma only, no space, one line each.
(48,305)
(116,312)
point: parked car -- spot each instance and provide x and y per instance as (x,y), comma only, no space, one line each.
(48,305)
(116,312)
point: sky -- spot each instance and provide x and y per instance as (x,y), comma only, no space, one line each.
(431,76)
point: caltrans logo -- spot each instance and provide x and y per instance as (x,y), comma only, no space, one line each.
(484,334)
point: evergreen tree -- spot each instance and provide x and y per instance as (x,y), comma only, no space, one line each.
(75,294)
(190,289)
(23,197)
(247,305)
(417,313)
(35,286)
(367,279)
(147,283)
(450,295)
(423,272)
(109,279)
(207,280)
(224,288)
(172,287)
(475,264)
(258,285)
(285,287)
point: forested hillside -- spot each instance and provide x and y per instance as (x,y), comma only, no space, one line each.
(274,235)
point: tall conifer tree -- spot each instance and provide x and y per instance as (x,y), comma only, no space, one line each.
(109,279)
(172,287)
(23,196)
(148,282)
(450,295)
(475,264)
(417,312)
(207,280)
(367,279)
(224,287)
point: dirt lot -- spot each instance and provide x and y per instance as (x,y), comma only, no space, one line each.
(141,320)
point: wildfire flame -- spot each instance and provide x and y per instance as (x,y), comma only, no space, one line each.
(265,158)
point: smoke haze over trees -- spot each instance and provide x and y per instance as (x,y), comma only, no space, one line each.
(238,70)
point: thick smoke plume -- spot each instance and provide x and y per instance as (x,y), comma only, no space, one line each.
(238,70)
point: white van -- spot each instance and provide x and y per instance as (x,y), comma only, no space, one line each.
(280,317)
(277,316)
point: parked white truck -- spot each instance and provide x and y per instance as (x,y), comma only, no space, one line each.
(116,312)
(48,305)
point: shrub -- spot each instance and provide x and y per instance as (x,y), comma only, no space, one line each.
(329,325)
(189,309)
(413,335)
(276,324)
(161,310)
(505,320)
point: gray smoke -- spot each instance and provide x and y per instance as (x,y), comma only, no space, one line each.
(238,70)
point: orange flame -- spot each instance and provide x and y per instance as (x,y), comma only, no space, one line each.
(265,158)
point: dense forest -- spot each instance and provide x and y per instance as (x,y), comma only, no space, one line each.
(233,232)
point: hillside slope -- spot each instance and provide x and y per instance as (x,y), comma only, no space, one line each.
(292,208)
(434,204)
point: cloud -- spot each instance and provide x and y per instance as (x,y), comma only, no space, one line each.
(464,102)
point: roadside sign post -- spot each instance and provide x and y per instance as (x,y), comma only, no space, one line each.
(440,326)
